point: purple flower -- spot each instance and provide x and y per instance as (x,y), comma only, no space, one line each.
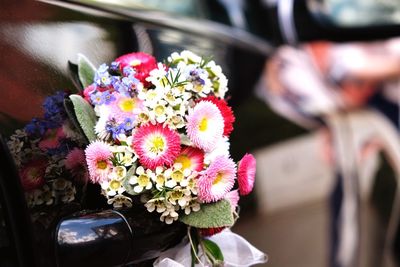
(54,104)
(114,67)
(97,98)
(107,97)
(128,71)
(114,128)
(102,77)
(36,127)
(195,77)
(128,124)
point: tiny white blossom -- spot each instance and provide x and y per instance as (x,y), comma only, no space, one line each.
(142,180)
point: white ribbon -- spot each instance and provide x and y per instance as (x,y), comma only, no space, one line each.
(236,250)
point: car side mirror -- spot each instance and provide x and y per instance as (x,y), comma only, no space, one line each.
(101,239)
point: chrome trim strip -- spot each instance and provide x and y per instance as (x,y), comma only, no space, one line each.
(208,29)
(286,21)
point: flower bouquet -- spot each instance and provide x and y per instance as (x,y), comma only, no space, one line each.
(151,135)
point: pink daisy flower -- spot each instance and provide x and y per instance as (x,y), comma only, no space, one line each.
(191,158)
(32,174)
(233,198)
(125,107)
(246,174)
(75,163)
(226,113)
(217,180)
(98,155)
(205,125)
(156,145)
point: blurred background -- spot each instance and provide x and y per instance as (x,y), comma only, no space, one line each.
(315,89)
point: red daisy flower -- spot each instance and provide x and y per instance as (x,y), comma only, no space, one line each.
(143,63)
(191,158)
(211,231)
(156,145)
(246,174)
(226,112)
(32,174)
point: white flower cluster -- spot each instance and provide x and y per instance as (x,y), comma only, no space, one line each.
(173,189)
(42,173)
(166,103)
(176,88)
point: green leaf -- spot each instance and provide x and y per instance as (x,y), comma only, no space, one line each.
(85,115)
(73,72)
(211,215)
(213,252)
(128,187)
(69,109)
(86,70)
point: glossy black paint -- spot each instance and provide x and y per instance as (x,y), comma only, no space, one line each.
(111,238)
(18,249)
(103,239)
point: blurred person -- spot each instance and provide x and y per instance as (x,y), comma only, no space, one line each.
(318,85)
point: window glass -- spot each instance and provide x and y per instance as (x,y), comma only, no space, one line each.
(358,12)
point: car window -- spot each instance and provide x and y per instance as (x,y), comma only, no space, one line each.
(190,8)
(357,13)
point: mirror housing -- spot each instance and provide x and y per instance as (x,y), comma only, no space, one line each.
(103,239)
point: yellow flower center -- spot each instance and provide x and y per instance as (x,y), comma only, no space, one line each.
(185,161)
(218,178)
(143,116)
(33,173)
(135,62)
(176,195)
(102,164)
(170,97)
(177,175)
(114,184)
(143,180)
(156,144)
(160,179)
(203,124)
(151,94)
(127,104)
(120,171)
(159,110)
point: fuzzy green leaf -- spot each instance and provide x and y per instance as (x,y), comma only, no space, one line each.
(213,251)
(85,116)
(86,70)
(211,215)
(128,187)
(73,71)
(69,109)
